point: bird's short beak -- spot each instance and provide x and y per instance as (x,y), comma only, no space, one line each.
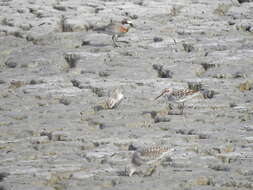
(131,24)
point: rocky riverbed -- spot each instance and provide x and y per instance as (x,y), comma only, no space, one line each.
(56,74)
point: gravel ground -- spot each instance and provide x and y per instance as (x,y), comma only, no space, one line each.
(56,74)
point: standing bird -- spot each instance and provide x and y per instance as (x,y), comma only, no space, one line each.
(117,29)
(178,96)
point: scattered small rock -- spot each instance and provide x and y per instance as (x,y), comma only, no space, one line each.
(7,22)
(239,74)
(85,43)
(126,172)
(60,136)
(159,119)
(186,132)
(60,7)
(244,27)
(174,11)
(207,66)
(95,123)
(157,39)
(245,1)
(245,86)
(131,147)
(98,9)
(222,9)
(196,86)
(203,136)
(219,167)
(208,94)
(64,101)
(103,74)
(139,2)
(134,16)
(73,25)
(203,180)
(162,73)
(11,63)
(72,59)
(39,140)
(199,71)
(188,47)
(98,108)
(21,11)
(3,175)
(77,83)
(231,22)
(232,105)
(149,171)
(16,84)
(34,82)
(98,91)
(229,148)
(102,126)
(48,134)
(127,53)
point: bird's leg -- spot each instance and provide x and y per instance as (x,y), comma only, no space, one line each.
(170,109)
(170,106)
(182,108)
(184,115)
(115,39)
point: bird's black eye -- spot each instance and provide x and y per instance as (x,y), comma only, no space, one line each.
(124,21)
(131,24)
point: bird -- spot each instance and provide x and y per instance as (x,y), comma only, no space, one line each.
(143,158)
(115,97)
(116,29)
(178,95)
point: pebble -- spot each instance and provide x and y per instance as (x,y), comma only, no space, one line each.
(11,63)
(77,83)
(81,175)
(188,47)
(157,39)
(245,86)
(72,59)
(162,73)
(60,136)
(65,101)
(203,180)
(219,167)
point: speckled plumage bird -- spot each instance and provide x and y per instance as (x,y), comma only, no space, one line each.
(116,29)
(178,95)
(149,156)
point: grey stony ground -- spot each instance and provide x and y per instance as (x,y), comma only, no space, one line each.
(56,72)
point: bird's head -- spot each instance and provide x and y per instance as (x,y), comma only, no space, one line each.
(167,90)
(127,22)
